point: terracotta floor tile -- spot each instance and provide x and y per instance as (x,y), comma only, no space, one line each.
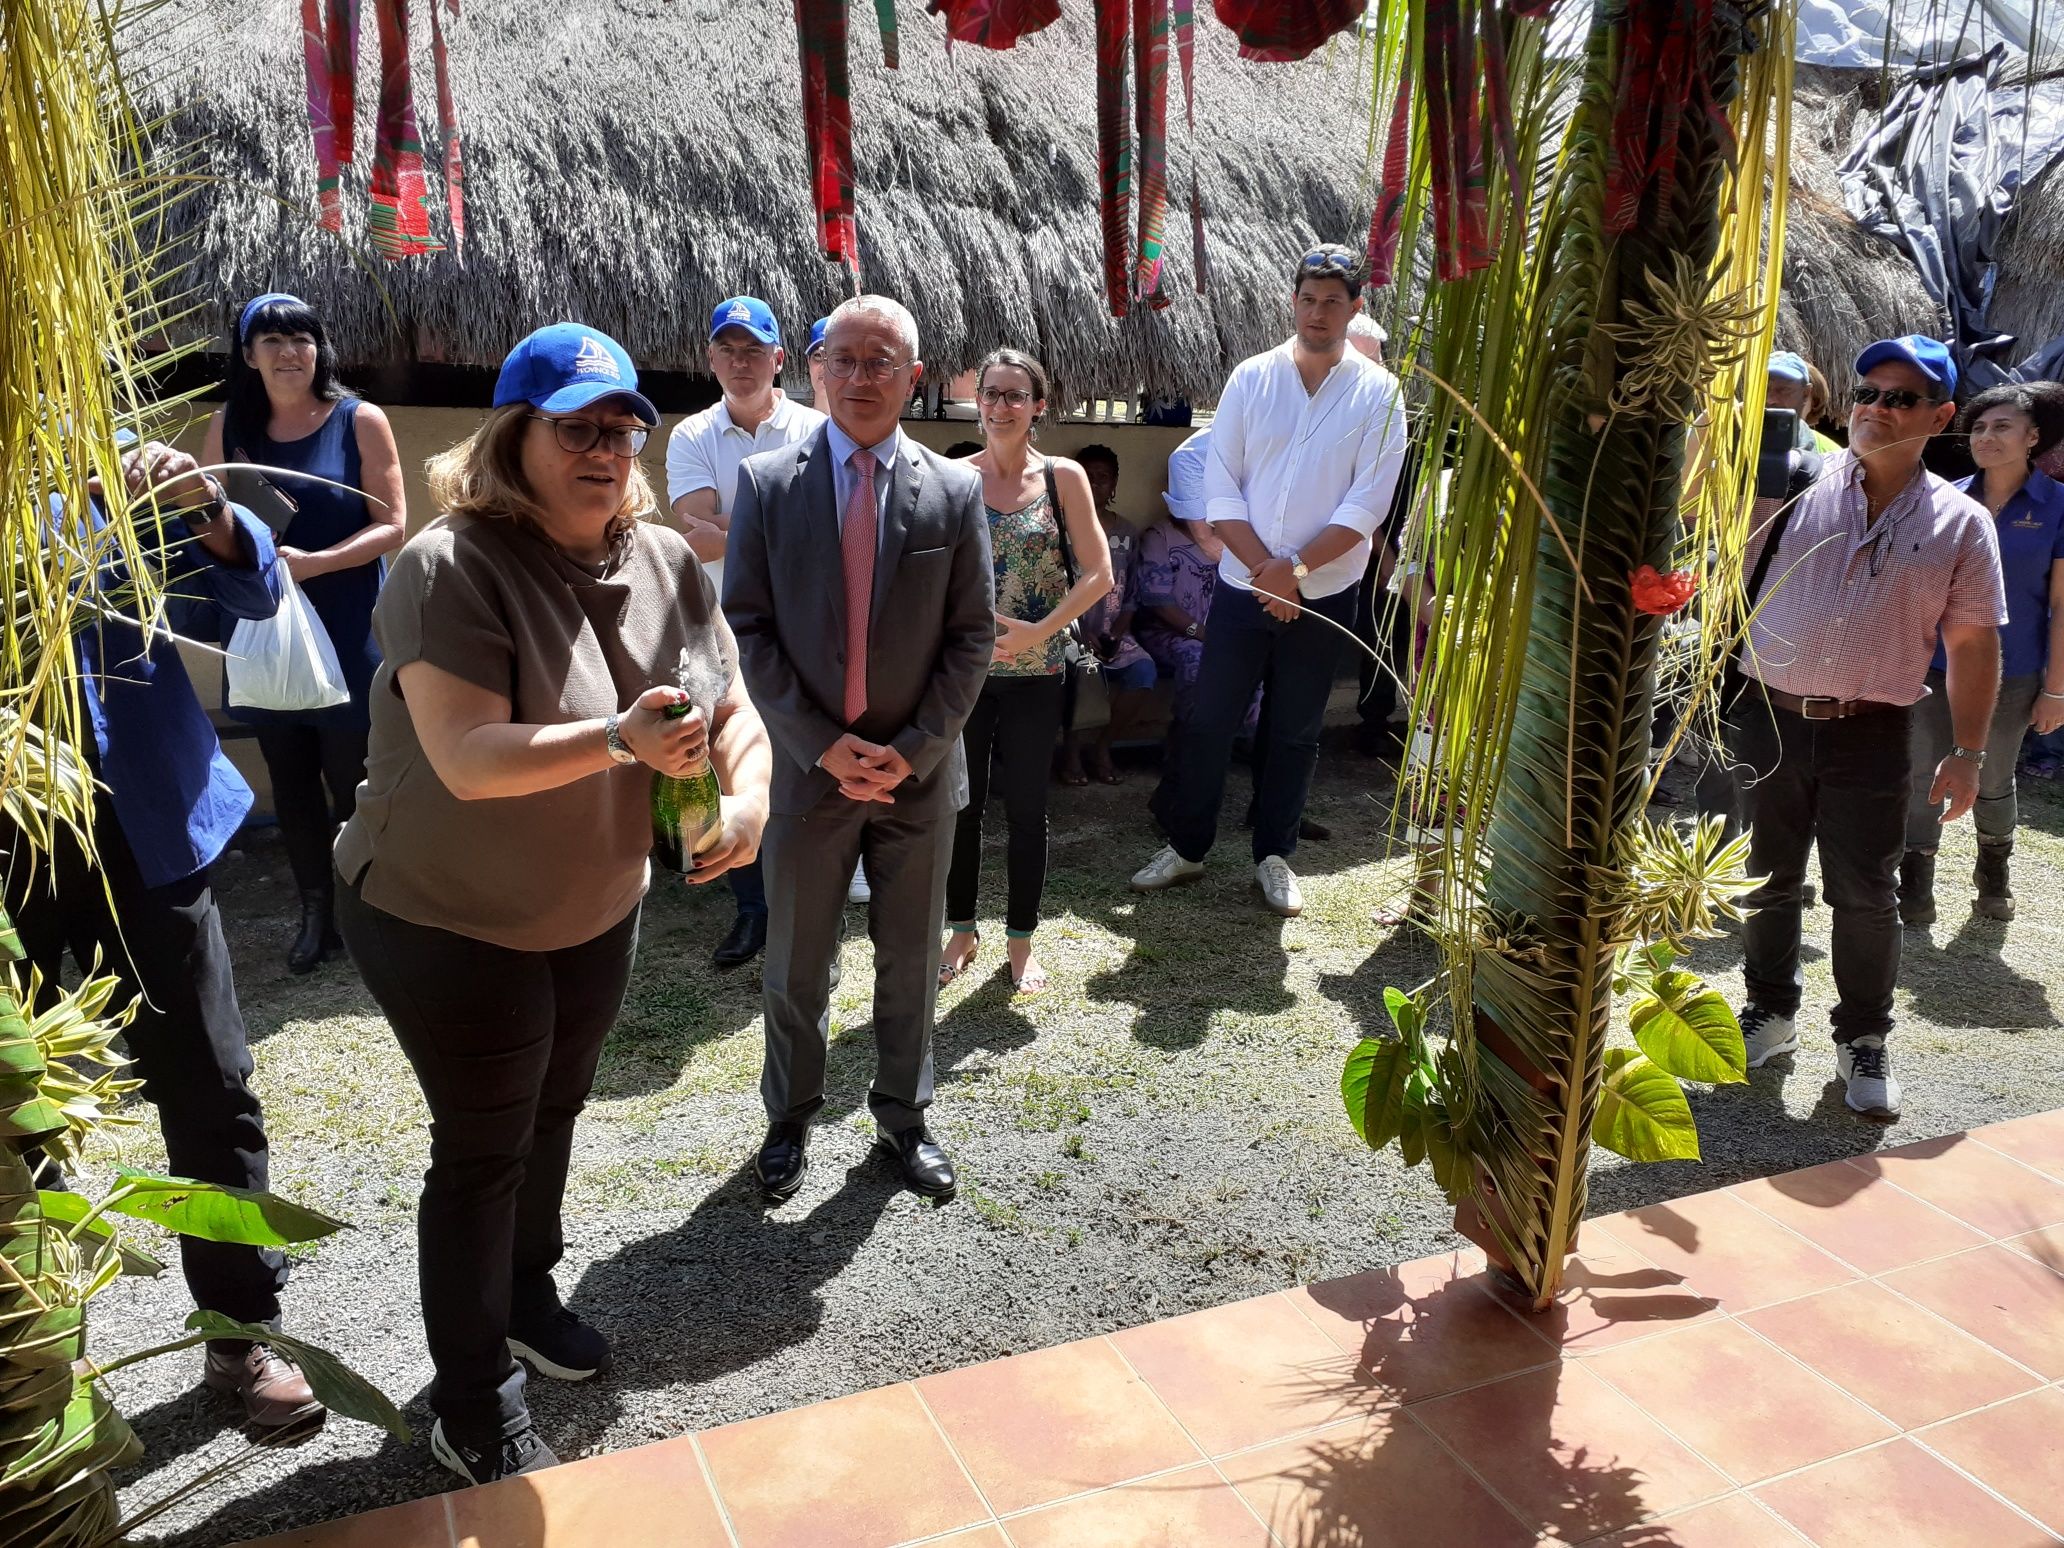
(1777,1416)
(1240,1375)
(2045,1246)
(1896,1496)
(1376,1482)
(1723,1248)
(1039,1427)
(1981,1187)
(651,1494)
(980,1537)
(417,1524)
(1734,1522)
(1423,1329)
(1190,1509)
(2016,1449)
(1610,1293)
(815,1477)
(2010,1301)
(1860,1218)
(1568,1452)
(1905,1362)
(2037,1140)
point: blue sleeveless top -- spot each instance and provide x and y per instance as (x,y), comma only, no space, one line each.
(322,517)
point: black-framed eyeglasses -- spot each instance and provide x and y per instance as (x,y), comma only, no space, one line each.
(1898,399)
(878,369)
(580,435)
(1014,397)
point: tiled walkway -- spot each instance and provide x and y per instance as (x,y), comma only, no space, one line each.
(1869,1352)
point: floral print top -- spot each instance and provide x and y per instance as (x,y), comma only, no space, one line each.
(1030,580)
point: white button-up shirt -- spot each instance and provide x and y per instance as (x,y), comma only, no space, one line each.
(1291,463)
(704,451)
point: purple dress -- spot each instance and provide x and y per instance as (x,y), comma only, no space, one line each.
(1170,570)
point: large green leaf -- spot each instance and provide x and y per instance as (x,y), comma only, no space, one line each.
(1373,1086)
(1689,1030)
(340,1389)
(1642,1114)
(71,1208)
(217,1213)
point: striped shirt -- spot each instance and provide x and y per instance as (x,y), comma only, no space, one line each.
(1852,609)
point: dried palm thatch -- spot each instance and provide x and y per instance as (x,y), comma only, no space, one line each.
(2029,302)
(631,162)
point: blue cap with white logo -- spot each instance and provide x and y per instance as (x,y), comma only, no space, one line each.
(747,312)
(566,366)
(1928,356)
(817,335)
(1790,367)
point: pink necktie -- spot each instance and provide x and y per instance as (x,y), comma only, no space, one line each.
(856,543)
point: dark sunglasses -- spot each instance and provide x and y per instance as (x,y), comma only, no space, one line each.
(579,435)
(1863,395)
(1319,261)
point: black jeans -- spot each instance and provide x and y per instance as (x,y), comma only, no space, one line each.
(504,1044)
(1015,720)
(302,760)
(1245,648)
(1844,784)
(188,1037)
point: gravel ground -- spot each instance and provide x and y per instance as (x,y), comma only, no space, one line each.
(1159,1133)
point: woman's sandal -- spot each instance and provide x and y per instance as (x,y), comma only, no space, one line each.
(1035,981)
(948,971)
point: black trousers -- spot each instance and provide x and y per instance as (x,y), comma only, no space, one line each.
(1014,722)
(315,773)
(1843,784)
(188,1036)
(504,1044)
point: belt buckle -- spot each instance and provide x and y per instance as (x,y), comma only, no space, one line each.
(1808,700)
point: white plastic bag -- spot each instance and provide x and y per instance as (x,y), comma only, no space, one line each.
(285,662)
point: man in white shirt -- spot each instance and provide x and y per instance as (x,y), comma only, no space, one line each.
(1305,452)
(703,453)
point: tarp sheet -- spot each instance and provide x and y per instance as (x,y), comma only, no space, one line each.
(1867,34)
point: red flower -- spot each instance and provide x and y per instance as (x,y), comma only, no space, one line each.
(1661,594)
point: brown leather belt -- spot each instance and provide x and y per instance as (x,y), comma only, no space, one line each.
(1817,707)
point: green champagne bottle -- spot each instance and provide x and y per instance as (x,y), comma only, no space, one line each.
(687,810)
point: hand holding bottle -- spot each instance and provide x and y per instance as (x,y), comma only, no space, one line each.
(671,744)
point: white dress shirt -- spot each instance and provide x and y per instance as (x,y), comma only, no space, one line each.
(704,451)
(1291,463)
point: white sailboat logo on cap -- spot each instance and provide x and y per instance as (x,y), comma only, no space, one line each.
(593,360)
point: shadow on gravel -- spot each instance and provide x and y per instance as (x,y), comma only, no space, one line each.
(1964,982)
(1192,955)
(325,1491)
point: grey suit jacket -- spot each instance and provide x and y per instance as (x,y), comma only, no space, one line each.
(930,638)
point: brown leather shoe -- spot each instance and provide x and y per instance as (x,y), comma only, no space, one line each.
(275,1394)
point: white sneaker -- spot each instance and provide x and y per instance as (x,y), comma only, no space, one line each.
(1165,870)
(1279,886)
(859,892)
(1765,1035)
(1867,1068)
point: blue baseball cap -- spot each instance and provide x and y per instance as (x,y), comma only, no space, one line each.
(1928,356)
(817,329)
(1790,367)
(747,312)
(566,366)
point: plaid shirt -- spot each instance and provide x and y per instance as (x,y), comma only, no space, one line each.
(1852,609)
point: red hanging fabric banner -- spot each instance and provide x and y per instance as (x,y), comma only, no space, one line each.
(1660,83)
(1284,30)
(448,126)
(994,23)
(1498,100)
(828,128)
(315,59)
(1386,222)
(1184,17)
(400,216)
(341,42)
(1150,59)
(1114,151)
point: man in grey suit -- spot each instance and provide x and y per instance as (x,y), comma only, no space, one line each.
(858,583)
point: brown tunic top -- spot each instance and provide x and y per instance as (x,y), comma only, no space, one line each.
(494,603)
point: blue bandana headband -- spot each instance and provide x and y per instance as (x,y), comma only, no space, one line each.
(257,304)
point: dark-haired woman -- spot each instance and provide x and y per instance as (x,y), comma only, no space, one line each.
(1018,715)
(286,409)
(2009,428)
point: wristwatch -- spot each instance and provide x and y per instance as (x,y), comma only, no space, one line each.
(613,735)
(209,511)
(1190,630)
(1975,756)
(1299,568)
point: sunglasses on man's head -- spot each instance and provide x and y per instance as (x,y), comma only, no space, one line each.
(1319,261)
(1863,395)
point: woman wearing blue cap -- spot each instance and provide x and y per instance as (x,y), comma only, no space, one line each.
(534,638)
(285,408)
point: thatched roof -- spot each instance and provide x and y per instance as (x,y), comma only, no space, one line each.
(631,162)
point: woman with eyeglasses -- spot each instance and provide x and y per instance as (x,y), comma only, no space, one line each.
(1052,565)
(2009,427)
(547,649)
(285,409)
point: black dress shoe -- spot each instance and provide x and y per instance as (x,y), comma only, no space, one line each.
(926,1170)
(783,1160)
(748,938)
